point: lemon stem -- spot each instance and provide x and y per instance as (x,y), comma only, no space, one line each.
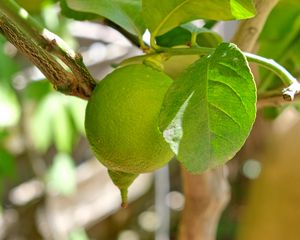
(124,197)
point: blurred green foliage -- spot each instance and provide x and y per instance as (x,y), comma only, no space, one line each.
(50,119)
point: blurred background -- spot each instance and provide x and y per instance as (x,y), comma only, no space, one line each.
(52,187)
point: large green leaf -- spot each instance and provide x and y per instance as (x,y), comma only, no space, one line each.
(125,13)
(160,16)
(208,112)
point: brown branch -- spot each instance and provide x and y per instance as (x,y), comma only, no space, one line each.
(58,76)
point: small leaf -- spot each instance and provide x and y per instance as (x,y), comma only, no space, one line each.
(9,107)
(182,35)
(52,122)
(7,164)
(177,36)
(41,125)
(209,110)
(76,107)
(37,90)
(62,130)
(162,16)
(208,38)
(62,175)
(126,14)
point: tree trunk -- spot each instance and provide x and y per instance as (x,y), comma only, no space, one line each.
(206,197)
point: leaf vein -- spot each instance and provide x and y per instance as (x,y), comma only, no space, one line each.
(224,112)
(168,16)
(225,138)
(234,91)
(232,69)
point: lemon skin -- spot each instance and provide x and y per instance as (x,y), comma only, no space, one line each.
(122,120)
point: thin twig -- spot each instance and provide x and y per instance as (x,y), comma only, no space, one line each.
(288,79)
(273,101)
(59,77)
(293,86)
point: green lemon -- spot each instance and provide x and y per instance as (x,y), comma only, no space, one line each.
(122,122)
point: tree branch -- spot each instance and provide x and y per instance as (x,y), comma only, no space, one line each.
(206,197)
(42,47)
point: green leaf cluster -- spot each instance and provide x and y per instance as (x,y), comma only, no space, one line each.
(209,110)
(56,119)
(159,17)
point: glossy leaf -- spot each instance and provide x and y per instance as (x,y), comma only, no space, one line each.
(208,38)
(177,36)
(208,112)
(126,14)
(162,16)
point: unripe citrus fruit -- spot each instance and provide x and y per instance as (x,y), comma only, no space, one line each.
(122,122)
